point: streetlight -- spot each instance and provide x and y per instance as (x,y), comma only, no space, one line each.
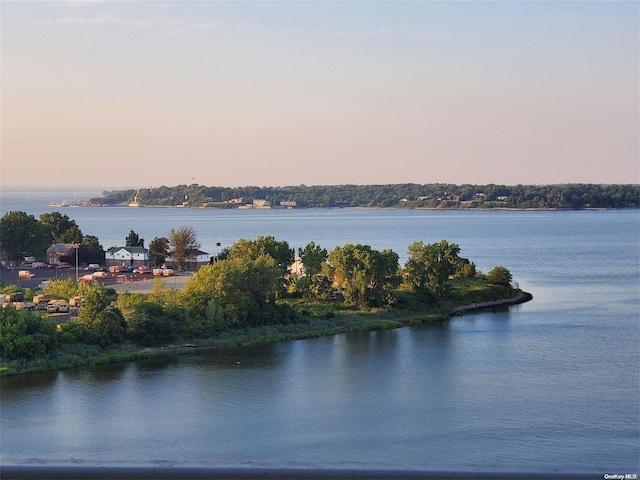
(216,244)
(75,244)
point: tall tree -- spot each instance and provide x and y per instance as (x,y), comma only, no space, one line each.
(367,276)
(58,223)
(430,265)
(312,256)
(72,235)
(183,241)
(134,240)
(280,251)
(94,303)
(158,251)
(90,250)
(22,235)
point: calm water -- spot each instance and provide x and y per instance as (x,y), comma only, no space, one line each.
(551,383)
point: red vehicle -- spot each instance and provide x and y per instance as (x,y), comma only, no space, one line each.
(117,268)
(63,265)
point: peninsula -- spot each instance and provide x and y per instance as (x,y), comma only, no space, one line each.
(250,294)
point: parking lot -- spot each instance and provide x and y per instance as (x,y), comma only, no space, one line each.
(134,282)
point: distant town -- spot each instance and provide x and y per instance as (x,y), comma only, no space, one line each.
(433,196)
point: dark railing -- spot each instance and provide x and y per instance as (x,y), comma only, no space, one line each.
(181,472)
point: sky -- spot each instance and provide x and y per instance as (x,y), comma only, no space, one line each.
(145,93)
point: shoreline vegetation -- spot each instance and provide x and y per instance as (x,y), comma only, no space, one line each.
(255,291)
(328,324)
(400,196)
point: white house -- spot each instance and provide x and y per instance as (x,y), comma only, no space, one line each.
(127,256)
(193,261)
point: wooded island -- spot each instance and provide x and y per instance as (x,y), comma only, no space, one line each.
(407,195)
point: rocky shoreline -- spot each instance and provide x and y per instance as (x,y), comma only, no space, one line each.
(473,307)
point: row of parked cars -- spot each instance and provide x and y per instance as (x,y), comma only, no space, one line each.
(49,265)
(44,302)
(130,269)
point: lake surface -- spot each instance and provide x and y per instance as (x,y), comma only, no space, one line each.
(553,383)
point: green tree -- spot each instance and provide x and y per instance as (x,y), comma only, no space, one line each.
(280,251)
(109,327)
(25,335)
(22,235)
(240,287)
(72,235)
(66,288)
(468,269)
(183,241)
(148,325)
(94,303)
(366,276)
(58,224)
(72,331)
(430,266)
(312,257)
(158,251)
(90,250)
(134,240)
(499,276)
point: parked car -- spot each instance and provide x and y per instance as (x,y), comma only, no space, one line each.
(142,269)
(117,268)
(92,266)
(131,268)
(63,265)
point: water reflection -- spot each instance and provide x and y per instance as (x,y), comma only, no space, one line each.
(19,385)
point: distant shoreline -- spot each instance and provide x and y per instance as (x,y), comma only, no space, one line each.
(435,209)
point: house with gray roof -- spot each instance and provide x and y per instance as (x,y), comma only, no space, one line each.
(127,256)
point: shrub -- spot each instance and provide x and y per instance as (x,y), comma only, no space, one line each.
(499,276)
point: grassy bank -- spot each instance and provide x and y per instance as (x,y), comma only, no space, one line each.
(317,319)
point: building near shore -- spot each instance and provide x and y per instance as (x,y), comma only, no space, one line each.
(194,259)
(58,250)
(127,256)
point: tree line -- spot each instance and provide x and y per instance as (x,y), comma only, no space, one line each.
(562,196)
(250,285)
(22,235)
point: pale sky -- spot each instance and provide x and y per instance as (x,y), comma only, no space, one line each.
(139,94)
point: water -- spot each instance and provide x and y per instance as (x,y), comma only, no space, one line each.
(551,383)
